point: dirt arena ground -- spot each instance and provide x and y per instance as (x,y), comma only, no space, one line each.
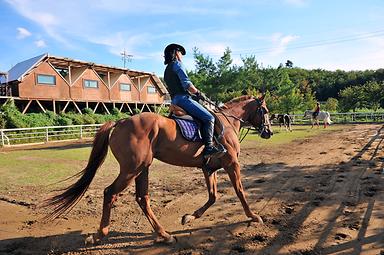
(316,195)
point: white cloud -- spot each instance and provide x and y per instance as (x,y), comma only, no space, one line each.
(281,43)
(22,33)
(40,43)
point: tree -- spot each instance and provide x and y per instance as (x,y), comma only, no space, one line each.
(373,94)
(289,95)
(289,64)
(351,98)
(332,104)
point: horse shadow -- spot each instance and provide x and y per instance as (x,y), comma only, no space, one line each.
(71,242)
(130,242)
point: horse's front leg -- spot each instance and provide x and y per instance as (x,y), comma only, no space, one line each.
(233,171)
(142,198)
(211,182)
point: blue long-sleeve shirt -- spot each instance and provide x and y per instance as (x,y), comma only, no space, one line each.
(176,78)
(179,69)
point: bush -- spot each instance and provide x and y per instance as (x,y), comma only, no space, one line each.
(2,120)
(76,119)
(88,119)
(40,120)
(12,116)
(63,121)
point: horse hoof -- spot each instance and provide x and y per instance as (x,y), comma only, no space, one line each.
(257,219)
(91,240)
(186,219)
(166,240)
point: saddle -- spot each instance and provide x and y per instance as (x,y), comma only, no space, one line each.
(190,127)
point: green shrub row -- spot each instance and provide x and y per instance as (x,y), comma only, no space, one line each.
(11,117)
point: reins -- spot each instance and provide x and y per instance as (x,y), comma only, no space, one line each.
(241,136)
(244,124)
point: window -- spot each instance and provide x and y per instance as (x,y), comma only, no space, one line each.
(125,87)
(46,79)
(90,84)
(151,89)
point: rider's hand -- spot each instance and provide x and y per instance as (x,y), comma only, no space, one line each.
(200,96)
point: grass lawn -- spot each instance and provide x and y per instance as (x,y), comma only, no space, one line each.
(282,136)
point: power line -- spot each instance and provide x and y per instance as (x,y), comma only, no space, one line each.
(126,57)
(311,44)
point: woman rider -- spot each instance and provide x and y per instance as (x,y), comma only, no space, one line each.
(180,88)
(316,111)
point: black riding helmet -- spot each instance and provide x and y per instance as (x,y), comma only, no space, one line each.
(170,51)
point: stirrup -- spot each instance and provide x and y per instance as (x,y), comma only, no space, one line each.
(207,168)
(220,151)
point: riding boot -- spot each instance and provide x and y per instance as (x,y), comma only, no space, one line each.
(210,149)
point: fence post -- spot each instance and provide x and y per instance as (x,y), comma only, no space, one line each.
(81,132)
(46,135)
(2,137)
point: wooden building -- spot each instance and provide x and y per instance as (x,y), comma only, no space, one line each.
(61,84)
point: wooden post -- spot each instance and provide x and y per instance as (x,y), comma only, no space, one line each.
(42,108)
(94,110)
(46,135)
(105,107)
(65,107)
(2,137)
(54,106)
(78,109)
(26,108)
(129,108)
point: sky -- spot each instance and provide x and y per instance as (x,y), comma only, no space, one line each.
(325,34)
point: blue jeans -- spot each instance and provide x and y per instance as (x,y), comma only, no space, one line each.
(193,108)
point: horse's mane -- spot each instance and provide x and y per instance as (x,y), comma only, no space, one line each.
(237,100)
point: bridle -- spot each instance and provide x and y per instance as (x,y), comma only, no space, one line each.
(246,124)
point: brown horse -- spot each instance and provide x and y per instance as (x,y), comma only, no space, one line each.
(136,141)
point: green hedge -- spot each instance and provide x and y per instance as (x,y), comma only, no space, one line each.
(11,117)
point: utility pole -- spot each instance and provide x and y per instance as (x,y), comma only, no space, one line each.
(126,57)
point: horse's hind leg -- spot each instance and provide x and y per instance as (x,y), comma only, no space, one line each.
(110,196)
(211,182)
(142,198)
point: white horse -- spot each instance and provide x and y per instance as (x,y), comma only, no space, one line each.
(324,116)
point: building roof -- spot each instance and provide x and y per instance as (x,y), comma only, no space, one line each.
(20,69)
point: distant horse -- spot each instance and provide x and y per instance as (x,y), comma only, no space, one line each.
(136,141)
(283,120)
(324,116)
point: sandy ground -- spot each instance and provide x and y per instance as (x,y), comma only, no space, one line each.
(320,195)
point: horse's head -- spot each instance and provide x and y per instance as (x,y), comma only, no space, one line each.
(307,113)
(257,116)
(273,116)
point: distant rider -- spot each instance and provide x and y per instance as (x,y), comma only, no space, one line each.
(316,111)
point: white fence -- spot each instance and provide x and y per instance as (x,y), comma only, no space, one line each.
(17,136)
(36,135)
(343,118)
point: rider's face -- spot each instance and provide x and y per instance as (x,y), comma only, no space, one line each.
(179,56)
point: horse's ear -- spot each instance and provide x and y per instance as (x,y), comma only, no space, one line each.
(261,98)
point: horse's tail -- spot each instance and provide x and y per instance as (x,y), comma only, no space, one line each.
(72,194)
(329,118)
